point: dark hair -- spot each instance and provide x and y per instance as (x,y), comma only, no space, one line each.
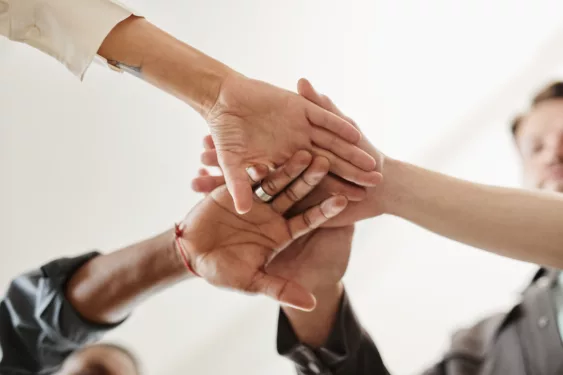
(125,351)
(552,91)
(120,349)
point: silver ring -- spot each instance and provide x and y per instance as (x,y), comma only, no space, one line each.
(262,195)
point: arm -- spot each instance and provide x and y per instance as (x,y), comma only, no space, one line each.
(108,288)
(313,328)
(244,115)
(142,49)
(51,312)
(70,31)
(328,340)
(74,31)
(520,224)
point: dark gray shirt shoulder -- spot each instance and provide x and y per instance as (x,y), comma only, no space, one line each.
(39,328)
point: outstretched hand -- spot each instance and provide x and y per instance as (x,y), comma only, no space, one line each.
(371,204)
(229,250)
(253,122)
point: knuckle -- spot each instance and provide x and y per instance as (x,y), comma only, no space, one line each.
(333,141)
(277,206)
(291,194)
(288,174)
(308,220)
(270,185)
(253,285)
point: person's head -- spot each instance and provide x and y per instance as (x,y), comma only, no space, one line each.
(539,138)
(101,359)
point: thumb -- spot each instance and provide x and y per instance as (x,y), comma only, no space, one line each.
(282,290)
(237,182)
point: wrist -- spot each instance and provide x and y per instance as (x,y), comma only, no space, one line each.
(329,292)
(204,91)
(327,296)
(220,98)
(394,192)
(182,250)
(313,328)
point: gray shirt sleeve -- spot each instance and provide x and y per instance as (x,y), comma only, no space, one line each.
(39,328)
(348,350)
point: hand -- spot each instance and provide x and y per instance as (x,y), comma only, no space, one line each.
(318,262)
(371,206)
(230,250)
(315,261)
(329,186)
(253,122)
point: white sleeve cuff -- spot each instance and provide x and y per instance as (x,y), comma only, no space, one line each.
(71,31)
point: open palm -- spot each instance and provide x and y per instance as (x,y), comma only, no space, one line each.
(230,250)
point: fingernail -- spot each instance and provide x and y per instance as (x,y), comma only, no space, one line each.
(304,304)
(333,206)
(253,174)
(372,179)
(316,177)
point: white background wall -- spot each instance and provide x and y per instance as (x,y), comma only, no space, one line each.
(107,162)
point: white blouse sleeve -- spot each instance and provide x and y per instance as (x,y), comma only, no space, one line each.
(71,31)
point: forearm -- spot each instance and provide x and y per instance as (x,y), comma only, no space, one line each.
(520,224)
(107,288)
(329,338)
(313,328)
(167,63)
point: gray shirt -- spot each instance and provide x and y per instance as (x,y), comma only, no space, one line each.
(39,328)
(558,302)
(523,341)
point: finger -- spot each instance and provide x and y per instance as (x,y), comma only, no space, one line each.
(347,151)
(284,175)
(306,90)
(348,171)
(337,186)
(331,122)
(206,184)
(237,181)
(329,186)
(208,143)
(209,158)
(302,186)
(316,216)
(353,214)
(257,172)
(285,291)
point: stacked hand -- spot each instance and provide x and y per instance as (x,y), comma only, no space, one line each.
(253,123)
(315,261)
(230,250)
(370,206)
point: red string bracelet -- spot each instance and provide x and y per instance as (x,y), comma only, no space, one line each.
(179,232)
